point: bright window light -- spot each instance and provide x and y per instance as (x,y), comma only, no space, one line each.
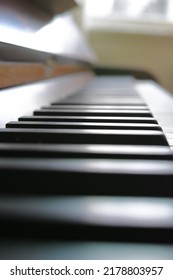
(133,16)
(99,8)
(145,9)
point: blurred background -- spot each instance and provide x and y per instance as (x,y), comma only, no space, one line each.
(116,33)
(130,33)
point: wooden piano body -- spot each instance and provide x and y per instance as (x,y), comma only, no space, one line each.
(86,161)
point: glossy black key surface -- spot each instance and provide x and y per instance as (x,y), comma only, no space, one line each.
(83,136)
(27,249)
(100,107)
(144,120)
(86,217)
(86,177)
(84,125)
(68,112)
(85,151)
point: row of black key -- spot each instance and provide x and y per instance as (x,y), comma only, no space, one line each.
(97,147)
(80,128)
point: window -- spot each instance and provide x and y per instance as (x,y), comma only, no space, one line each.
(132,15)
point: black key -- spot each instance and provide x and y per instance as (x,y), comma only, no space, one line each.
(27,249)
(86,177)
(68,112)
(84,125)
(85,151)
(99,107)
(87,217)
(83,136)
(144,120)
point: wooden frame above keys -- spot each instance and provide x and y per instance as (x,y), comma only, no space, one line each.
(20,73)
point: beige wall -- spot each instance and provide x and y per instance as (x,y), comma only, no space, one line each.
(147,52)
(152,53)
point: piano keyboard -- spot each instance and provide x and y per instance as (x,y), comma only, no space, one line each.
(89,176)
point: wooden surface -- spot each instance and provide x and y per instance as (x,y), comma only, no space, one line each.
(20,73)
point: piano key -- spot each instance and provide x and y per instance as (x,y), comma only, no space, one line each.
(82,125)
(100,107)
(112,80)
(144,120)
(39,249)
(85,151)
(170,141)
(169,135)
(106,100)
(117,93)
(83,136)
(107,88)
(110,177)
(104,91)
(92,210)
(162,109)
(88,215)
(68,112)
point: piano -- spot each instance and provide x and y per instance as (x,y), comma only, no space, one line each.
(86,153)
